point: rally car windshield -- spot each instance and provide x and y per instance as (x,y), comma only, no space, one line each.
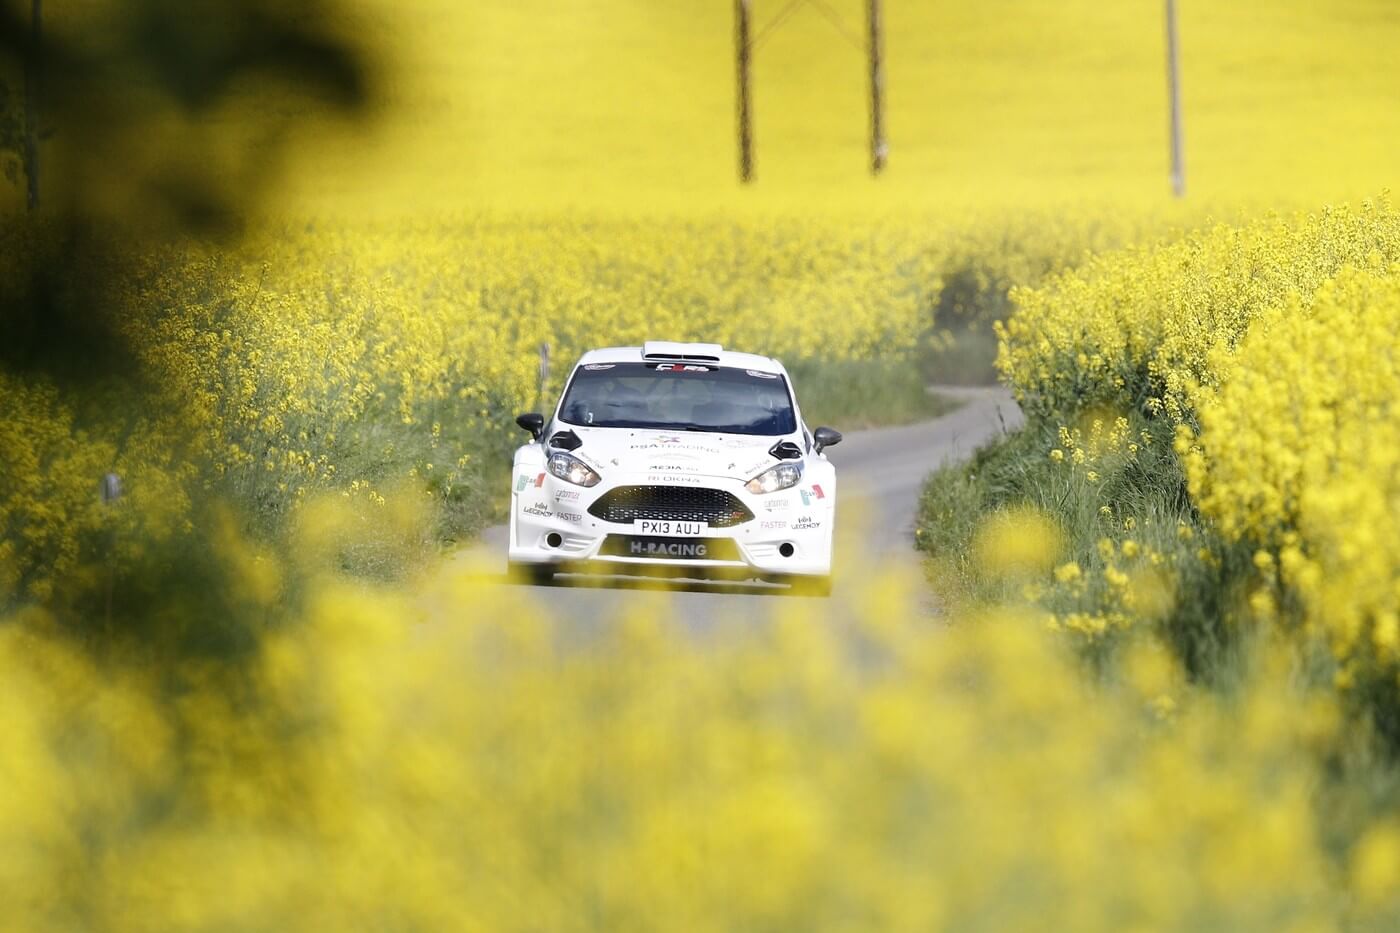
(679,396)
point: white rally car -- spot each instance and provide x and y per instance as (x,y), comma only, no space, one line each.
(675,459)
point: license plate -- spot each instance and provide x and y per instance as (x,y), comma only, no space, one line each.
(669,527)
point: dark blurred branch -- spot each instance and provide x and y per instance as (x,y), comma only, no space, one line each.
(33,72)
(197,50)
(154,120)
(102,80)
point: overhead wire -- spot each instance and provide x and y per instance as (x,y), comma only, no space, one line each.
(829,14)
(835,19)
(783,15)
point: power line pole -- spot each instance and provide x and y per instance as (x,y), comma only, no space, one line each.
(743,50)
(32,63)
(1174,93)
(879,149)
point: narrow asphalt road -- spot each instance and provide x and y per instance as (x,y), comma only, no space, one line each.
(880,473)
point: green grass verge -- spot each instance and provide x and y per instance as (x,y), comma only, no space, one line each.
(983,524)
(1123,515)
(853,394)
(964,355)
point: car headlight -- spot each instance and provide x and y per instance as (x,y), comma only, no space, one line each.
(572,470)
(782,476)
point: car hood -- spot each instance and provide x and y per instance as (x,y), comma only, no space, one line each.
(634,450)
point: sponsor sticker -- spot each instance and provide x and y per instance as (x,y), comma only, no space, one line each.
(773,525)
(597,367)
(761,375)
(754,466)
(572,517)
(539,509)
(776,505)
(524,481)
(642,548)
(812,495)
(805,523)
(566,495)
(664,548)
(674,478)
(681,368)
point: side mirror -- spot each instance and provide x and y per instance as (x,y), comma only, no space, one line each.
(532,422)
(826,437)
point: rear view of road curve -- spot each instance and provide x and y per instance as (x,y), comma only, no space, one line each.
(880,471)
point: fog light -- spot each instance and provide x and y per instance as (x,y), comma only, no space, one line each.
(553,539)
(785,549)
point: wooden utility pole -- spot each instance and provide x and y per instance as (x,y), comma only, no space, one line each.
(1174,95)
(743,50)
(32,71)
(879,149)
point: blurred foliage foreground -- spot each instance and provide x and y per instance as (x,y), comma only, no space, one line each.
(456,760)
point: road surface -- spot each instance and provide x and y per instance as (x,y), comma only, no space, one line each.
(880,474)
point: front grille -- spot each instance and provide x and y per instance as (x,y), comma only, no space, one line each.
(626,504)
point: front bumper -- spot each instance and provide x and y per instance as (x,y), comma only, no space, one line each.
(789,535)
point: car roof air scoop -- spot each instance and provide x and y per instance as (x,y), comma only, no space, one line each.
(565,440)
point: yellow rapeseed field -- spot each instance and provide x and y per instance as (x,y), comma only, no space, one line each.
(325,401)
(397,352)
(1266,355)
(1140,327)
(629,104)
(1297,453)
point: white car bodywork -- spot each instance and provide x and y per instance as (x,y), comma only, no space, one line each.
(674,502)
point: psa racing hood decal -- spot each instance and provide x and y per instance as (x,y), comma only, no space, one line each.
(674,445)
